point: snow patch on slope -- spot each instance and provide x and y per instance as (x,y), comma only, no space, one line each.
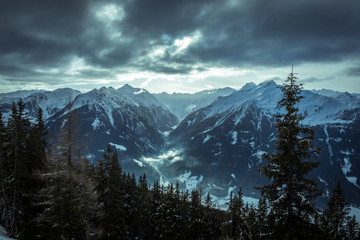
(118,147)
(234,135)
(259,154)
(355,211)
(322,180)
(346,168)
(139,163)
(223,202)
(191,182)
(207,138)
(328,143)
(97,124)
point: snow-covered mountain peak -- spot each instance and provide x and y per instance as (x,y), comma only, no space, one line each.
(49,101)
(317,109)
(138,96)
(65,91)
(349,99)
(327,93)
(248,86)
(183,104)
(107,90)
(18,94)
(268,83)
(127,88)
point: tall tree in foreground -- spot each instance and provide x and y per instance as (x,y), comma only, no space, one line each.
(111,196)
(290,194)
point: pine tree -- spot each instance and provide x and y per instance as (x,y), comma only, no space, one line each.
(212,220)
(64,196)
(197,225)
(144,210)
(334,217)
(262,223)
(4,174)
(3,168)
(352,229)
(237,214)
(156,205)
(36,160)
(38,142)
(111,197)
(131,207)
(290,194)
(63,218)
(184,212)
(19,166)
(250,226)
(168,213)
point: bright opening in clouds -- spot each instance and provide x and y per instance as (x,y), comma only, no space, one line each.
(178,46)
(109,12)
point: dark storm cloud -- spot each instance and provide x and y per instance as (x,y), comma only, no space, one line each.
(353,71)
(46,28)
(271,33)
(156,17)
(279,32)
(48,34)
(316,79)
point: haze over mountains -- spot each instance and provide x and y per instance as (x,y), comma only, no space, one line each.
(211,140)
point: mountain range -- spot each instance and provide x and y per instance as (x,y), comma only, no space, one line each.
(211,140)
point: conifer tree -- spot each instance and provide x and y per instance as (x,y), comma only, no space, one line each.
(132,207)
(237,214)
(334,217)
(262,224)
(20,171)
(156,205)
(62,219)
(144,202)
(111,197)
(290,194)
(65,174)
(197,226)
(4,202)
(212,220)
(183,210)
(36,161)
(250,226)
(352,229)
(168,213)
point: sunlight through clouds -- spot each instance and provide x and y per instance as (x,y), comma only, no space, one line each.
(110,12)
(183,43)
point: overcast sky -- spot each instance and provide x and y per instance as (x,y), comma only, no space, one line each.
(178,45)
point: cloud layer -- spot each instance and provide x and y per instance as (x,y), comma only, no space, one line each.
(84,42)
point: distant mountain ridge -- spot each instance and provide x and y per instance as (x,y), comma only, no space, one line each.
(182,104)
(212,140)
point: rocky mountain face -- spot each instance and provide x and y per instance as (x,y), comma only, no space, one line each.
(228,137)
(130,119)
(212,140)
